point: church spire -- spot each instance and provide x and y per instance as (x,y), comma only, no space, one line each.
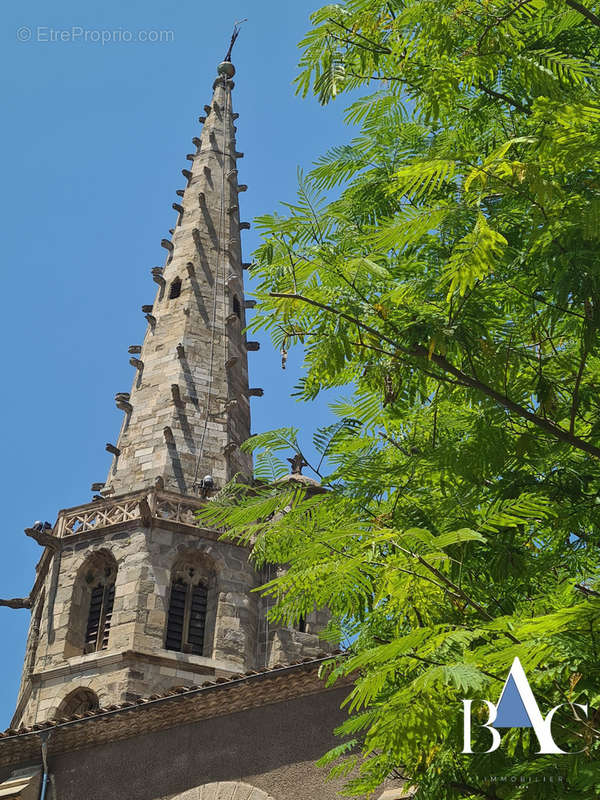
(188,410)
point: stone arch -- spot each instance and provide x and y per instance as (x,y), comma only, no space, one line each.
(95,578)
(192,603)
(78,701)
(207,550)
(224,790)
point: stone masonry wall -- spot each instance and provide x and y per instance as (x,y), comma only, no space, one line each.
(136,662)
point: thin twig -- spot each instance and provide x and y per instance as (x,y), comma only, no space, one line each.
(499,96)
(381,47)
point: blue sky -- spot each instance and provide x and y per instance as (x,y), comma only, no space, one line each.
(92,146)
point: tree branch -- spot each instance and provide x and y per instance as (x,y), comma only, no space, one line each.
(418,351)
(575,403)
(585,12)
(499,96)
(586,590)
(538,298)
(379,47)
(497,20)
(455,588)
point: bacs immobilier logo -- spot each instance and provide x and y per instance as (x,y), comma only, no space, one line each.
(517,708)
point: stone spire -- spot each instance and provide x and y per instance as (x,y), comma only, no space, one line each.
(188,410)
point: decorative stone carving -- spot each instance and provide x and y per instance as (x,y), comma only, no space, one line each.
(157,275)
(109,512)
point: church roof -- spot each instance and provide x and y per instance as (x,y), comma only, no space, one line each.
(179,706)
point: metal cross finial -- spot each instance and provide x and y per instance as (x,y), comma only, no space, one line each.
(236,32)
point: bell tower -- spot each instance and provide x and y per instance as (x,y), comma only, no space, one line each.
(131,597)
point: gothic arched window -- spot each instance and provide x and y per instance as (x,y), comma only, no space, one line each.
(78,702)
(92,603)
(190,597)
(102,598)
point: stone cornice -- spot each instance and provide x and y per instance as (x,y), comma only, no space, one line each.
(102,658)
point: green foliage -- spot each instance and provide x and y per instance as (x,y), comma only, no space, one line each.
(452,286)
(473,257)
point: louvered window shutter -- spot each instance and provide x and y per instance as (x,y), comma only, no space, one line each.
(93,623)
(109,599)
(176,616)
(197,622)
(99,617)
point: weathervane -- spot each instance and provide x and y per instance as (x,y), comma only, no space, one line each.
(236,32)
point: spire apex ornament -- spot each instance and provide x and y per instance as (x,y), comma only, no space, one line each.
(226,69)
(236,32)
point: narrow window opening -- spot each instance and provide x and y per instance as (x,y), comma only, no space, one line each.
(187,617)
(186,620)
(198,596)
(102,597)
(302,624)
(91,608)
(237,309)
(176,617)
(175,289)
